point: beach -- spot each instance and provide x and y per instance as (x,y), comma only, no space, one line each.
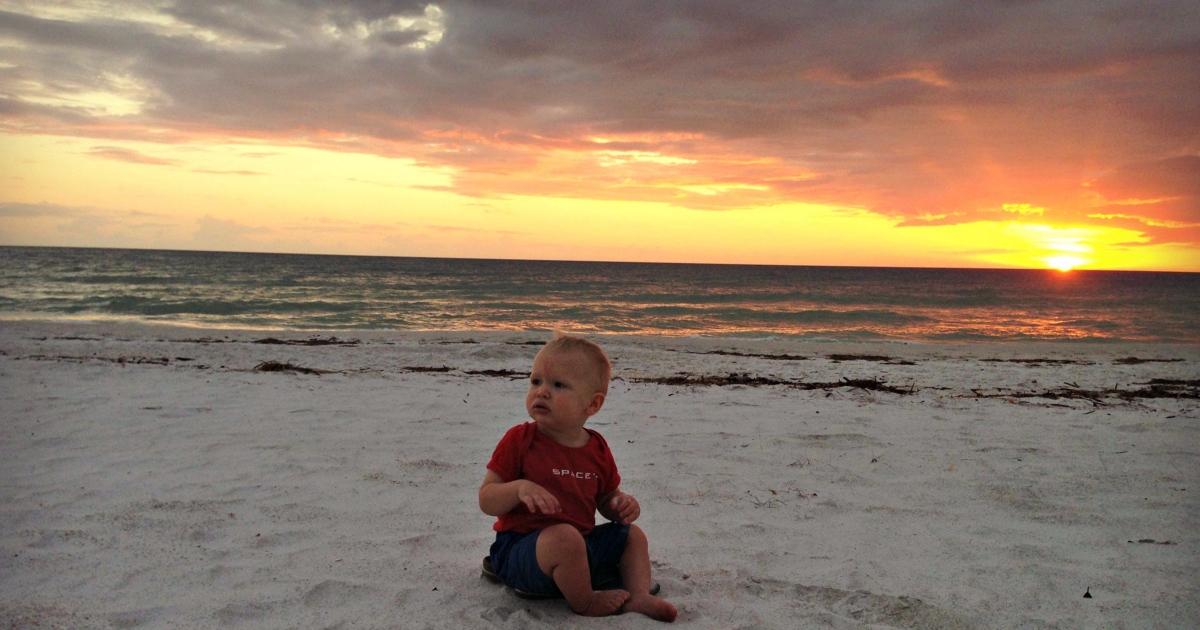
(167,477)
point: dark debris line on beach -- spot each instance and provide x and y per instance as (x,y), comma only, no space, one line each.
(513,374)
(1040,362)
(693,380)
(501,373)
(1156,388)
(774,357)
(745,379)
(1137,361)
(836,358)
(276,366)
(878,358)
(272,341)
(315,341)
(122,360)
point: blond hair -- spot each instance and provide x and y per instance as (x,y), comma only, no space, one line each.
(594,354)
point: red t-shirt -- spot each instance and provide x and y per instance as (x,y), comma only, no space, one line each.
(577,477)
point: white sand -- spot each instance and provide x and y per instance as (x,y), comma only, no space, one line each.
(201,494)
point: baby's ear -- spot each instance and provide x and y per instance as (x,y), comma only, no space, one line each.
(596,403)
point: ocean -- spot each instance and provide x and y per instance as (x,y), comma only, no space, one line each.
(345,293)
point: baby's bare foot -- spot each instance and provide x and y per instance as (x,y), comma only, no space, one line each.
(604,603)
(651,606)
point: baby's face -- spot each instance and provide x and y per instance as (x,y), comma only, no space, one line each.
(562,391)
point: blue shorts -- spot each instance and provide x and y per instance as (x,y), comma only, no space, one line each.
(514,557)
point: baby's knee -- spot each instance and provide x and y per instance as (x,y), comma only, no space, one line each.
(563,537)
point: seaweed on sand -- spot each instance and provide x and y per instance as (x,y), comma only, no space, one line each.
(1154,388)
(880,358)
(315,341)
(1037,362)
(1137,361)
(773,357)
(276,366)
(686,379)
(513,374)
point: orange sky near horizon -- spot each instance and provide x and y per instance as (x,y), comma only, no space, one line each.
(714,136)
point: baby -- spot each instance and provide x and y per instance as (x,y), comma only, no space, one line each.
(547,479)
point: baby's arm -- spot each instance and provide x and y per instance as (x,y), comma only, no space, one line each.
(619,507)
(497,496)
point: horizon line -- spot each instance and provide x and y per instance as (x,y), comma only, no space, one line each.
(607,262)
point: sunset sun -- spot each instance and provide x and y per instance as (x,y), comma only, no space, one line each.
(1064,263)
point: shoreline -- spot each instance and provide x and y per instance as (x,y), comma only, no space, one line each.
(134,326)
(36,319)
(153,478)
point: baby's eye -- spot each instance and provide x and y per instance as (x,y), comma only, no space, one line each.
(535,381)
(559,384)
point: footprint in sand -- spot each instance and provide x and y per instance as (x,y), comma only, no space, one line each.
(838,608)
(336,593)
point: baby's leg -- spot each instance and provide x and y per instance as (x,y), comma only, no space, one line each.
(635,573)
(562,555)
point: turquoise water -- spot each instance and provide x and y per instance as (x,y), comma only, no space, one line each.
(304,292)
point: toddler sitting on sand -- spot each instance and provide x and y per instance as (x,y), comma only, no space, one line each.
(547,478)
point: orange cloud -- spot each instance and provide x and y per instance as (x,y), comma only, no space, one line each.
(129,155)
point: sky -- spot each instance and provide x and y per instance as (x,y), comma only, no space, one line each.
(1018,133)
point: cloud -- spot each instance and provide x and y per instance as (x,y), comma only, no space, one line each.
(925,112)
(1173,178)
(122,154)
(1159,197)
(216,230)
(83,226)
(59,211)
(209,171)
(39,210)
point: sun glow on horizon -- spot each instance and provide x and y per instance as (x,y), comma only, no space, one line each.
(1065,263)
(267,197)
(1072,245)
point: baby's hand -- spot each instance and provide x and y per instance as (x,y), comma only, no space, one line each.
(626,508)
(538,499)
